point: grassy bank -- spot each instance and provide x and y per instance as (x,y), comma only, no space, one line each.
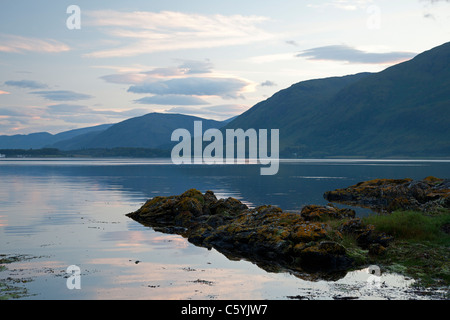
(420,249)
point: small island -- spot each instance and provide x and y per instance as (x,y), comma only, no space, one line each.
(321,242)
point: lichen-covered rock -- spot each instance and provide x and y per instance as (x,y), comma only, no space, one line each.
(392,194)
(266,235)
(323,213)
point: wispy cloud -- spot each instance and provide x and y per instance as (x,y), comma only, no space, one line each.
(74,109)
(62,95)
(269,58)
(352,55)
(185,68)
(199,86)
(146,32)
(4,92)
(12,112)
(292,43)
(268,83)
(196,67)
(434,9)
(59,117)
(219,112)
(184,85)
(27,84)
(172,99)
(348,5)
(68,109)
(20,44)
(435,1)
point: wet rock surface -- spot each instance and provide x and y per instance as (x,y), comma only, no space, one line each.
(387,195)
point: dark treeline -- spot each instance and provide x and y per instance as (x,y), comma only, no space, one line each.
(97,153)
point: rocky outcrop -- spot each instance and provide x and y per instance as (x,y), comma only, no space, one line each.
(387,195)
(323,213)
(266,235)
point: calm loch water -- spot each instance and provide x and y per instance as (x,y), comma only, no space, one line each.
(63,212)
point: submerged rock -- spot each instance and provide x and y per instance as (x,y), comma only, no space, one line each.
(389,195)
(266,235)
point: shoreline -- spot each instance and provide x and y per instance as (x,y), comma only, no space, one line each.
(324,242)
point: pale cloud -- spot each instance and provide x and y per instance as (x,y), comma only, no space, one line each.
(435,1)
(197,86)
(184,85)
(172,99)
(82,118)
(26,84)
(292,43)
(196,67)
(347,5)
(435,10)
(59,117)
(125,78)
(11,112)
(268,83)
(68,109)
(165,72)
(221,112)
(20,44)
(147,32)
(268,58)
(352,55)
(187,67)
(72,109)
(62,95)
(4,92)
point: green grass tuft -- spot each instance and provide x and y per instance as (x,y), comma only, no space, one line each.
(412,225)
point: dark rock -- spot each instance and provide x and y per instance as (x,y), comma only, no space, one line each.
(326,255)
(265,235)
(376,249)
(322,213)
(227,207)
(446,228)
(393,194)
(370,236)
(366,236)
(353,226)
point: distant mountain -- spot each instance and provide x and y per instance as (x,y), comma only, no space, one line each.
(401,111)
(44,139)
(153,130)
(230,119)
(28,141)
(78,132)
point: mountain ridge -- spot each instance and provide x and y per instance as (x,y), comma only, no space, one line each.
(402,111)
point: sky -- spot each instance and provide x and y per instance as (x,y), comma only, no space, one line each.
(74,64)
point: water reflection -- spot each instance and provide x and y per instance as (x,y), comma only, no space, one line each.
(298,183)
(68,212)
